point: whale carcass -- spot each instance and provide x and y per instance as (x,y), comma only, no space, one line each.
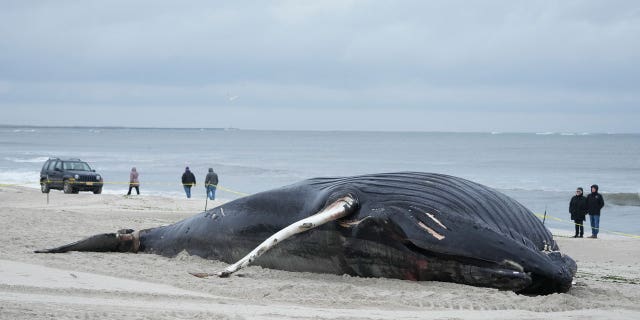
(406,225)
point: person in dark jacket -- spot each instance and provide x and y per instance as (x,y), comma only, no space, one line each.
(211,183)
(578,210)
(188,181)
(595,202)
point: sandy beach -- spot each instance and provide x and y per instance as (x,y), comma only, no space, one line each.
(144,286)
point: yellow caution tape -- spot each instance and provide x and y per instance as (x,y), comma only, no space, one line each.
(600,229)
(231,191)
(219,187)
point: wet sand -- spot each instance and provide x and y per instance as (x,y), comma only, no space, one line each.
(143,286)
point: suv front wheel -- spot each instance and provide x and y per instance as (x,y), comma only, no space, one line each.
(44,187)
(66,187)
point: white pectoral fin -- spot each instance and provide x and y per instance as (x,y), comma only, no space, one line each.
(336,210)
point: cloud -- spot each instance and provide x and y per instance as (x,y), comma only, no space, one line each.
(460,56)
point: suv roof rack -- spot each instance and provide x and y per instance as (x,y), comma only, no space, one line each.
(67,159)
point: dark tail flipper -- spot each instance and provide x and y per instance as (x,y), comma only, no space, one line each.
(122,241)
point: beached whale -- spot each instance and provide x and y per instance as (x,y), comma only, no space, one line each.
(407,225)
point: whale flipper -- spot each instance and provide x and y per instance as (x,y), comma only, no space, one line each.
(334,211)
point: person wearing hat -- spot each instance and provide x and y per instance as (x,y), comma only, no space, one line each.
(188,181)
(578,210)
(211,183)
(595,202)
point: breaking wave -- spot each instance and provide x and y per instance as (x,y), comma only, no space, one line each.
(29,160)
(22,177)
(622,199)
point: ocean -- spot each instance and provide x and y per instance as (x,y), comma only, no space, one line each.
(540,170)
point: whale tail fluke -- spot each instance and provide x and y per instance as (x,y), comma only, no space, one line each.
(125,240)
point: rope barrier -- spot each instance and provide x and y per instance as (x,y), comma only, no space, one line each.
(600,229)
(9,184)
(218,187)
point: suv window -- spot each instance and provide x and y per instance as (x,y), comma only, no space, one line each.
(76,166)
(51,165)
(58,165)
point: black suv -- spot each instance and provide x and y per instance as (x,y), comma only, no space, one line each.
(70,176)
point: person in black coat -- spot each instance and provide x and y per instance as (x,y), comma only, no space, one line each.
(188,181)
(211,184)
(595,202)
(578,210)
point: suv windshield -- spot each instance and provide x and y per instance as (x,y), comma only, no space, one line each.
(76,166)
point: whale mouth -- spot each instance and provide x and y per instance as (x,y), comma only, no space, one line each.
(505,275)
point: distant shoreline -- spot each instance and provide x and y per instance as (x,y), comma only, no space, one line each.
(109,127)
(541,133)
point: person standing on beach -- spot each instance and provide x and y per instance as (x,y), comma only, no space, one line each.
(188,181)
(133,181)
(578,210)
(211,183)
(595,202)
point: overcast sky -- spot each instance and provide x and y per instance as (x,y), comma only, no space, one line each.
(563,66)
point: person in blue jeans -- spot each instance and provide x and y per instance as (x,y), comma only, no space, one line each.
(595,202)
(211,184)
(188,181)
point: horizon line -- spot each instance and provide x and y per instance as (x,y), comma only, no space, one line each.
(494,132)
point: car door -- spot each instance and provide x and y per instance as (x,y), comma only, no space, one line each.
(55,175)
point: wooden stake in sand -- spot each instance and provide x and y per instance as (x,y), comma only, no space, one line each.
(338,209)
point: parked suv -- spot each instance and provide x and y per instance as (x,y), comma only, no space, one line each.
(70,176)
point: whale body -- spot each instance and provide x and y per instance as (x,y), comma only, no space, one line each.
(405,225)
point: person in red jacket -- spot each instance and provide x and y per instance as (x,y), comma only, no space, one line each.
(133,181)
